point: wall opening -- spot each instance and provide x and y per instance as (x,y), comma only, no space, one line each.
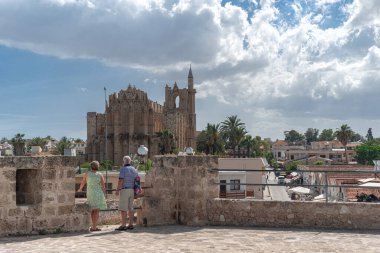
(28,187)
(177,102)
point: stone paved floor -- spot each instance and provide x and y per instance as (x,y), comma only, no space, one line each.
(197,239)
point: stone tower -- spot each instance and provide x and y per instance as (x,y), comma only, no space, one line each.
(133,120)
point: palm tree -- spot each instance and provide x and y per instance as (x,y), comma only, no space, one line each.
(38,141)
(248,143)
(167,141)
(233,131)
(343,134)
(18,143)
(63,144)
(212,135)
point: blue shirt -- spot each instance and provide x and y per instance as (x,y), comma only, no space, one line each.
(128,173)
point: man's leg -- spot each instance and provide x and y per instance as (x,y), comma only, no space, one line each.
(131,216)
(123,218)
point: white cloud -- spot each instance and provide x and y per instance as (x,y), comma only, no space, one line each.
(290,73)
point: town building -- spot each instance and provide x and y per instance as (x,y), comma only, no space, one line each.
(131,120)
(237,173)
(330,152)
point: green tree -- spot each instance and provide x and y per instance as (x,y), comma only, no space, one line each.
(311,135)
(356,137)
(294,137)
(209,141)
(248,143)
(292,165)
(38,141)
(344,134)
(233,132)
(367,152)
(106,165)
(326,135)
(167,143)
(18,143)
(369,135)
(63,144)
(3,140)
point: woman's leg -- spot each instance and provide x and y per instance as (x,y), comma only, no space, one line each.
(96,217)
(93,224)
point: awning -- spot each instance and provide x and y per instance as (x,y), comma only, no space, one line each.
(300,190)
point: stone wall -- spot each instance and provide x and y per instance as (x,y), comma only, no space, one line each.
(184,190)
(37,195)
(181,187)
(294,214)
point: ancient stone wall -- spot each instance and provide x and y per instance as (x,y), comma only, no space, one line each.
(38,194)
(259,213)
(181,187)
(184,190)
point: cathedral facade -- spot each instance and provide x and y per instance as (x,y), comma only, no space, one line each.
(131,119)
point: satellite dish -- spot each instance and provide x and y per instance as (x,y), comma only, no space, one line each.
(142,150)
(189,151)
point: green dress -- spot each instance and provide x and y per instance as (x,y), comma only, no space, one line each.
(95,195)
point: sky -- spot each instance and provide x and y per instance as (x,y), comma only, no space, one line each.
(278,65)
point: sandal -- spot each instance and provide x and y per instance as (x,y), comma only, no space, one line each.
(95,229)
(130,227)
(121,228)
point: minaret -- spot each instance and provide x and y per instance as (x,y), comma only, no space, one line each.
(191,111)
(190,83)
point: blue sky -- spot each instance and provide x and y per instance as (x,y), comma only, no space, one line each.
(278,65)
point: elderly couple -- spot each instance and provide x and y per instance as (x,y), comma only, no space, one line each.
(96,191)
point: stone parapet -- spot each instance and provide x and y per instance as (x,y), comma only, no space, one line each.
(37,194)
(180,187)
(248,212)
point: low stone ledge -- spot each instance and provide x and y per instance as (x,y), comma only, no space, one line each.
(340,215)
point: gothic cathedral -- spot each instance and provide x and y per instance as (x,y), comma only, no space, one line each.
(131,120)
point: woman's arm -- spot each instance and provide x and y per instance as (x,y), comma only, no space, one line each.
(102,184)
(83,182)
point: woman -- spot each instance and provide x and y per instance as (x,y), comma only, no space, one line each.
(95,192)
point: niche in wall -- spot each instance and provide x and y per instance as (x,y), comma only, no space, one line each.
(28,187)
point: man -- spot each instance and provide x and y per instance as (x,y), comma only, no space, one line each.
(125,186)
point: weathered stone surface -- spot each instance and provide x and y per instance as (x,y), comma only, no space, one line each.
(14,212)
(49,211)
(68,186)
(68,209)
(10,174)
(61,198)
(49,174)
(33,211)
(34,207)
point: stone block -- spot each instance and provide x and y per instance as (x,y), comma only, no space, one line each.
(61,198)
(70,173)
(68,186)
(24,225)
(4,201)
(33,211)
(10,175)
(49,211)
(68,209)
(8,226)
(39,224)
(14,212)
(49,174)
(70,198)
(58,222)
(47,186)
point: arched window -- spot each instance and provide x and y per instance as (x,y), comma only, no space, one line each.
(176,102)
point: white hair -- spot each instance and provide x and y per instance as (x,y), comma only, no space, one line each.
(127,159)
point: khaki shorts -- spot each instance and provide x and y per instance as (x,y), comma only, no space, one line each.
(126,199)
